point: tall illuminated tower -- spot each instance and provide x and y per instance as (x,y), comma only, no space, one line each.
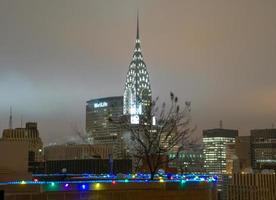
(137,93)
(215,142)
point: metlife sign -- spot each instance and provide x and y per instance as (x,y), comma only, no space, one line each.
(100,105)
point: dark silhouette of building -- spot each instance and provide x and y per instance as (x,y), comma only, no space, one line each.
(30,135)
(77,151)
(252,186)
(91,166)
(263,149)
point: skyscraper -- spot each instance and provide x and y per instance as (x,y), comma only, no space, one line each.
(134,103)
(243,152)
(214,142)
(263,144)
(100,129)
(137,93)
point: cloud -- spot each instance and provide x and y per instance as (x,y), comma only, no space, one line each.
(54,56)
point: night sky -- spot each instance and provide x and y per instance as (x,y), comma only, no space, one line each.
(57,54)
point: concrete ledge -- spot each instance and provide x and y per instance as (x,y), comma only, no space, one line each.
(108,191)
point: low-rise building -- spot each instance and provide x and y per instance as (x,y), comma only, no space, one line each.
(29,135)
(88,166)
(13,161)
(252,186)
(77,151)
(188,161)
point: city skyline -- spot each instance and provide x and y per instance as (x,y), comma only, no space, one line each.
(56,56)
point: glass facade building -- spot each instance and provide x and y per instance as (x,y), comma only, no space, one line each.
(100,130)
(214,150)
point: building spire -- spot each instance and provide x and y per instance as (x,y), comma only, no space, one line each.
(137,33)
(10,119)
(137,94)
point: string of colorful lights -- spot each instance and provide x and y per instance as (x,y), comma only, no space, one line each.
(113,179)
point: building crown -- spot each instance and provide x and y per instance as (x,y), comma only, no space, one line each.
(137,93)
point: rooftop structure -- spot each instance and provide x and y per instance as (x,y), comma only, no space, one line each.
(30,135)
(77,151)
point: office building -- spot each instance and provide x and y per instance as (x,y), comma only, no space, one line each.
(232,163)
(214,148)
(29,135)
(263,143)
(136,100)
(137,92)
(188,162)
(98,126)
(243,153)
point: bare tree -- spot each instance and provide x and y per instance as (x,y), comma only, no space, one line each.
(191,146)
(161,129)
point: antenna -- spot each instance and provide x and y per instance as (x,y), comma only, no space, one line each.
(21,119)
(137,29)
(220,124)
(10,120)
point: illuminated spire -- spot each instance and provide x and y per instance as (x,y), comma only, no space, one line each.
(137,94)
(137,29)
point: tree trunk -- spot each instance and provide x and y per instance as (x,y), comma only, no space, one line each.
(152,173)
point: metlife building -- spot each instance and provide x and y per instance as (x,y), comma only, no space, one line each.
(98,127)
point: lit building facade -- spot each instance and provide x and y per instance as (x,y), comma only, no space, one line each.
(263,144)
(188,162)
(98,126)
(137,92)
(232,162)
(214,150)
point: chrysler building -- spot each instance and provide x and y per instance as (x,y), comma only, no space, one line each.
(137,93)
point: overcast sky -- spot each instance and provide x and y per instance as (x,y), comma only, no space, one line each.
(57,54)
